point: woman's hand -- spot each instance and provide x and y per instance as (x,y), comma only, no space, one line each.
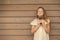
(42,23)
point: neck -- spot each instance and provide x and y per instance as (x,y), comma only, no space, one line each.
(40,18)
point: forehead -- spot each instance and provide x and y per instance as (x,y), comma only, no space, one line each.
(40,9)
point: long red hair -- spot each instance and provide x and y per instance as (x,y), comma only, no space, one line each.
(45,17)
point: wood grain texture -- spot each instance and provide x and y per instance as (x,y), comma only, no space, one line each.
(24,19)
(29,1)
(54,26)
(27,13)
(16,37)
(25,37)
(29,7)
(16,15)
(24,32)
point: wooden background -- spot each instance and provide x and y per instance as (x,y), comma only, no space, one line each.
(16,15)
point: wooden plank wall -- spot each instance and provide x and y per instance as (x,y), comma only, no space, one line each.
(16,15)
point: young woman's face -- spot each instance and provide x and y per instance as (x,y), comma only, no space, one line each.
(40,12)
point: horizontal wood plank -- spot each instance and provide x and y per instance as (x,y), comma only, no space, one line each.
(16,37)
(27,13)
(30,2)
(24,32)
(15,32)
(54,38)
(25,38)
(24,26)
(15,26)
(29,7)
(24,19)
(55,32)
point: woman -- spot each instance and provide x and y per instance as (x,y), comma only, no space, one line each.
(41,25)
